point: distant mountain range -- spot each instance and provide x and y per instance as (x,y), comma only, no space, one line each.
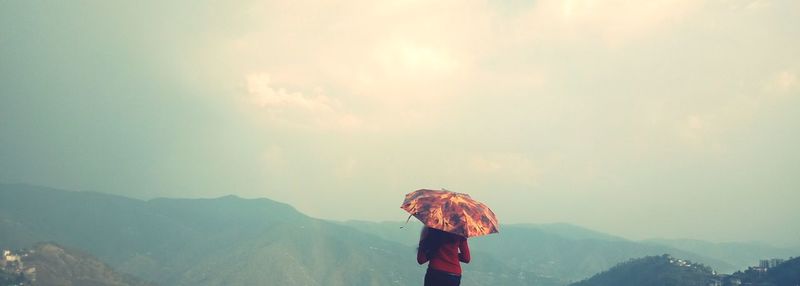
(784,274)
(666,270)
(224,241)
(56,265)
(562,251)
(235,241)
(739,254)
(661,270)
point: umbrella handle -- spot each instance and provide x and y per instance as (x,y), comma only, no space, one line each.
(409,217)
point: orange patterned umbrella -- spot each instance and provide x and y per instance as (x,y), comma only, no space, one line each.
(451,212)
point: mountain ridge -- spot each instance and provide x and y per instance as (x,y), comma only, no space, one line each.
(559,250)
(739,254)
(48,263)
(663,270)
(221,241)
(185,236)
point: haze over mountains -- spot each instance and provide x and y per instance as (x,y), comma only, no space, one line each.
(652,271)
(665,270)
(235,241)
(57,265)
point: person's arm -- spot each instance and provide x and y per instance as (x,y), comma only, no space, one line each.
(463,251)
(421,257)
(423,234)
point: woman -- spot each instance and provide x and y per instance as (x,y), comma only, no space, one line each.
(443,251)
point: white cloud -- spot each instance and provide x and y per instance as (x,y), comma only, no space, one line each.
(297,109)
(505,166)
(404,64)
(695,123)
(757,4)
(783,82)
(704,129)
(697,132)
(615,23)
(347,168)
(265,95)
(410,61)
(614,88)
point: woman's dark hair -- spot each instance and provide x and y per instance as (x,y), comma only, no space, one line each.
(434,240)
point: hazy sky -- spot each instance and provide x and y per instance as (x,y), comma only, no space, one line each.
(664,118)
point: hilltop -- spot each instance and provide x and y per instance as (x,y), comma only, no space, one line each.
(667,270)
(52,264)
(568,252)
(663,270)
(221,241)
(235,241)
(786,273)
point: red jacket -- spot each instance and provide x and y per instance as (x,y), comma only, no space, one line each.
(448,256)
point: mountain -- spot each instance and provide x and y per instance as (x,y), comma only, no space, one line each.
(56,266)
(142,238)
(571,231)
(222,241)
(400,232)
(666,270)
(661,270)
(564,251)
(784,274)
(408,232)
(739,254)
(235,241)
(550,254)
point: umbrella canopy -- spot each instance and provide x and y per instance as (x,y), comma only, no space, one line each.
(451,212)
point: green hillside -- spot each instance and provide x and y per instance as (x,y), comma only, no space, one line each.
(784,274)
(49,264)
(661,270)
(556,250)
(223,241)
(235,241)
(739,254)
(570,231)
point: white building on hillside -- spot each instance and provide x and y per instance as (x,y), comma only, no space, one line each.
(10,257)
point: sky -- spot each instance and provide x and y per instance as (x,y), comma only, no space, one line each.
(645,119)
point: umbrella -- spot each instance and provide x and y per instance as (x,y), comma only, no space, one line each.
(451,212)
